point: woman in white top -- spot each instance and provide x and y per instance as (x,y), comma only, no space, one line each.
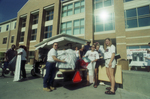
(93,56)
(110,62)
(77,52)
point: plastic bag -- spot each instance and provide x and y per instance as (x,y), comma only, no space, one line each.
(69,56)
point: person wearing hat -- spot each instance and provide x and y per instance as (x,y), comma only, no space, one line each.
(87,46)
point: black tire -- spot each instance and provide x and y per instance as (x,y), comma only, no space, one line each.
(33,73)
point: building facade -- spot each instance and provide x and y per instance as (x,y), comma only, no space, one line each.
(126,22)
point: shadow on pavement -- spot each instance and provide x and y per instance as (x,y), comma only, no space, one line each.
(29,78)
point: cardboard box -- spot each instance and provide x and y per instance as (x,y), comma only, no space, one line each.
(103,76)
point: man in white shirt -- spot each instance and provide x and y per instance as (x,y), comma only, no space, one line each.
(50,68)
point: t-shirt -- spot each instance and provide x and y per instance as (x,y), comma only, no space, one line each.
(92,55)
(77,53)
(51,53)
(23,55)
(10,54)
(109,51)
(86,48)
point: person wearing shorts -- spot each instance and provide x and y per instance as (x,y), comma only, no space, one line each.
(110,62)
(100,61)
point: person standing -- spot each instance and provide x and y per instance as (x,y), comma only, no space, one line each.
(93,56)
(77,52)
(100,61)
(9,55)
(110,62)
(50,68)
(87,46)
(20,63)
(81,52)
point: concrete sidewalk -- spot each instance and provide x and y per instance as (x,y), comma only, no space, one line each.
(32,88)
(120,93)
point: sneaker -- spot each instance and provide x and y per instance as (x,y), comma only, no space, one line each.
(47,89)
(102,83)
(52,88)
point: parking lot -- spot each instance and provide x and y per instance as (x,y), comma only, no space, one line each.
(32,88)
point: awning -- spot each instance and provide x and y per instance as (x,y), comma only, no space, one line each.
(64,41)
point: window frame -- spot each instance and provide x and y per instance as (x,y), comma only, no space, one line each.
(7,27)
(103,3)
(23,22)
(104,23)
(72,27)
(35,19)
(137,17)
(48,32)
(51,15)
(22,36)
(5,40)
(12,39)
(33,34)
(72,9)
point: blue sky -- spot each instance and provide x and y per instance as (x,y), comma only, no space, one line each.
(9,9)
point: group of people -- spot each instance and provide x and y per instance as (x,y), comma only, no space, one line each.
(97,55)
(20,56)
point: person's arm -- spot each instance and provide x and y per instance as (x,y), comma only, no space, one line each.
(147,58)
(94,60)
(86,54)
(55,59)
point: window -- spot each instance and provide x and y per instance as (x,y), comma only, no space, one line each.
(5,40)
(33,34)
(12,39)
(104,25)
(67,10)
(0,29)
(15,25)
(22,37)
(7,27)
(78,27)
(73,27)
(49,15)
(78,8)
(24,22)
(102,3)
(48,31)
(66,27)
(137,17)
(35,19)
(127,0)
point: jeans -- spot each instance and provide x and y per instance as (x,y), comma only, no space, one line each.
(50,74)
(23,62)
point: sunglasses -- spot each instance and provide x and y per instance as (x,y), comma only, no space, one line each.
(55,45)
